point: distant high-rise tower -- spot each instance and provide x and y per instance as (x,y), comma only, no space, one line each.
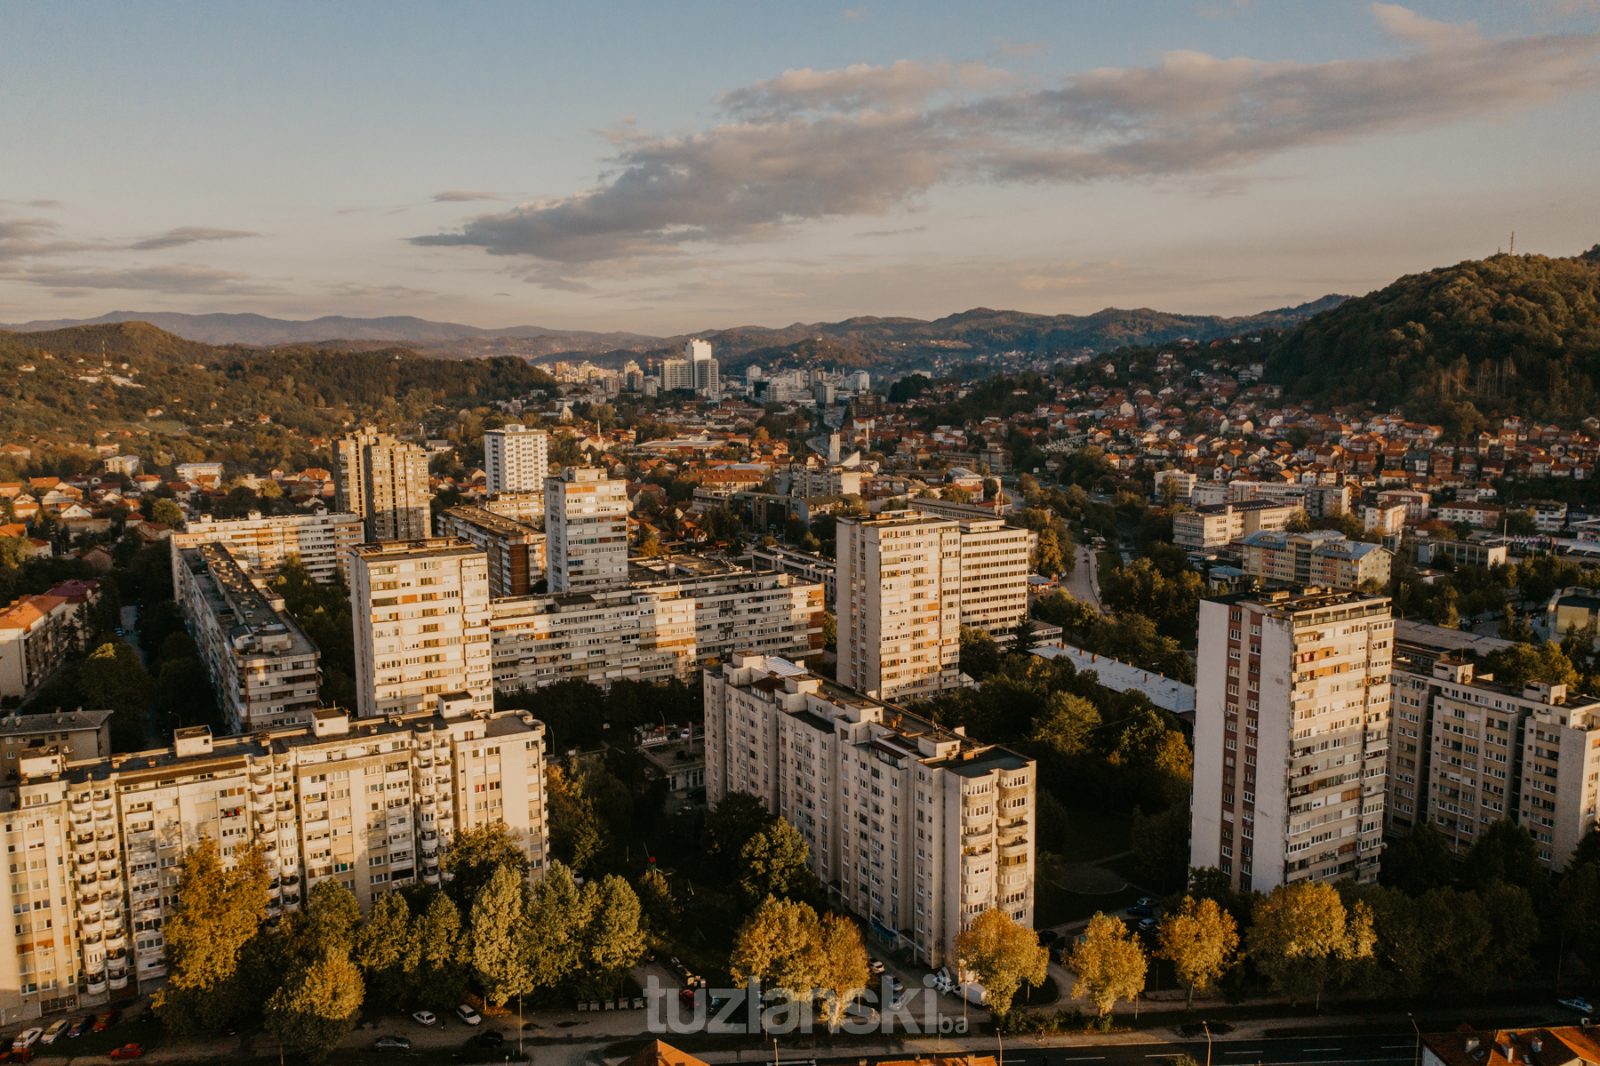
(420,611)
(586,531)
(702,368)
(1291,737)
(516,459)
(899,603)
(385,481)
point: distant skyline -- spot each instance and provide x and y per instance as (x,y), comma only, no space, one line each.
(661,169)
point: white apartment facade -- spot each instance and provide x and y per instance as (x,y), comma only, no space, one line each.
(996,560)
(265,670)
(263,543)
(420,610)
(586,531)
(898,583)
(385,481)
(96,845)
(516,458)
(1320,557)
(913,827)
(1292,717)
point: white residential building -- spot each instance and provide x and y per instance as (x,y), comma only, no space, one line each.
(516,459)
(420,610)
(95,845)
(916,828)
(262,665)
(586,531)
(263,543)
(1291,737)
(899,594)
(385,481)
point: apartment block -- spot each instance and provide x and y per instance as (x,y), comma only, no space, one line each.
(824,481)
(515,549)
(586,531)
(741,610)
(95,845)
(385,481)
(420,610)
(1219,525)
(996,560)
(264,668)
(1291,738)
(37,633)
(263,543)
(816,569)
(899,620)
(1320,557)
(1473,752)
(78,734)
(915,828)
(516,459)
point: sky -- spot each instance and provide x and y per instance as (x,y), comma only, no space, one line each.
(663,168)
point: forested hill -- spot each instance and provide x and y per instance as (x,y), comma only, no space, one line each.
(1511,334)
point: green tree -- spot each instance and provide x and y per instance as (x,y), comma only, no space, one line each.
(613,942)
(556,920)
(1418,861)
(731,824)
(577,834)
(1506,852)
(1109,963)
(496,940)
(331,921)
(1067,727)
(656,898)
(1301,932)
(476,854)
(437,974)
(843,970)
(317,1005)
(980,655)
(384,945)
(1200,939)
(1004,955)
(774,863)
(219,910)
(112,678)
(779,945)
(166,512)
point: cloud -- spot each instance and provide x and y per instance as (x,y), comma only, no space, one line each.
(866,140)
(462,196)
(27,238)
(184,280)
(182,235)
(891,232)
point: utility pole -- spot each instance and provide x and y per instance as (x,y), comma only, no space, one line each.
(1417,1058)
(1207,1027)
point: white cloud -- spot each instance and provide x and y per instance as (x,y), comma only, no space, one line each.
(182,235)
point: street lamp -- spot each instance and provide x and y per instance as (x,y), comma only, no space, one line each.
(1413,1018)
(1207,1027)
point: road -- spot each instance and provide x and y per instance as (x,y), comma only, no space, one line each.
(1084,582)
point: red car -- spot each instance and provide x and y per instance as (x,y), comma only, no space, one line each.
(128,1051)
(106,1020)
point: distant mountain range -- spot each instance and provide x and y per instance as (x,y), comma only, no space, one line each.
(864,341)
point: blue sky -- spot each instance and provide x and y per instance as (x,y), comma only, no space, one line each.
(673,167)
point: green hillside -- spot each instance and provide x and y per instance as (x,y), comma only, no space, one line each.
(1505,335)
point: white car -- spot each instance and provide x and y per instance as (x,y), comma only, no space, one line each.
(1577,1003)
(56,1028)
(424,1017)
(26,1039)
(468,1015)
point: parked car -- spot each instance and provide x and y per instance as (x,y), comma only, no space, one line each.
(875,967)
(1147,925)
(489,1038)
(1577,1003)
(105,1020)
(81,1026)
(128,1051)
(424,1017)
(465,1012)
(1141,909)
(391,1043)
(54,1031)
(26,1039)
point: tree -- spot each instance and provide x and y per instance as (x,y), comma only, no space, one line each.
(1505,851)
(383,947)
(613,943)
(332,919)
(656,899)
(113,678)
(1578,912)
(1301,931)
(774,862)
(167,513)
(1003,954)
(843,970)
(496,941)
(1066,728)
(437,975)
(733,822)
(980,655)
(577,834)
(556,919)
(1418,861)
(1200,939)
(476,854)
(316,1006)
(780,945)
(218,911)
(1109,963)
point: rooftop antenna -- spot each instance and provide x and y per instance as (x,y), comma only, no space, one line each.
(1513,249)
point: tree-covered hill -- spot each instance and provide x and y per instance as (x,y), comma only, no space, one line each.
(1511,334)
